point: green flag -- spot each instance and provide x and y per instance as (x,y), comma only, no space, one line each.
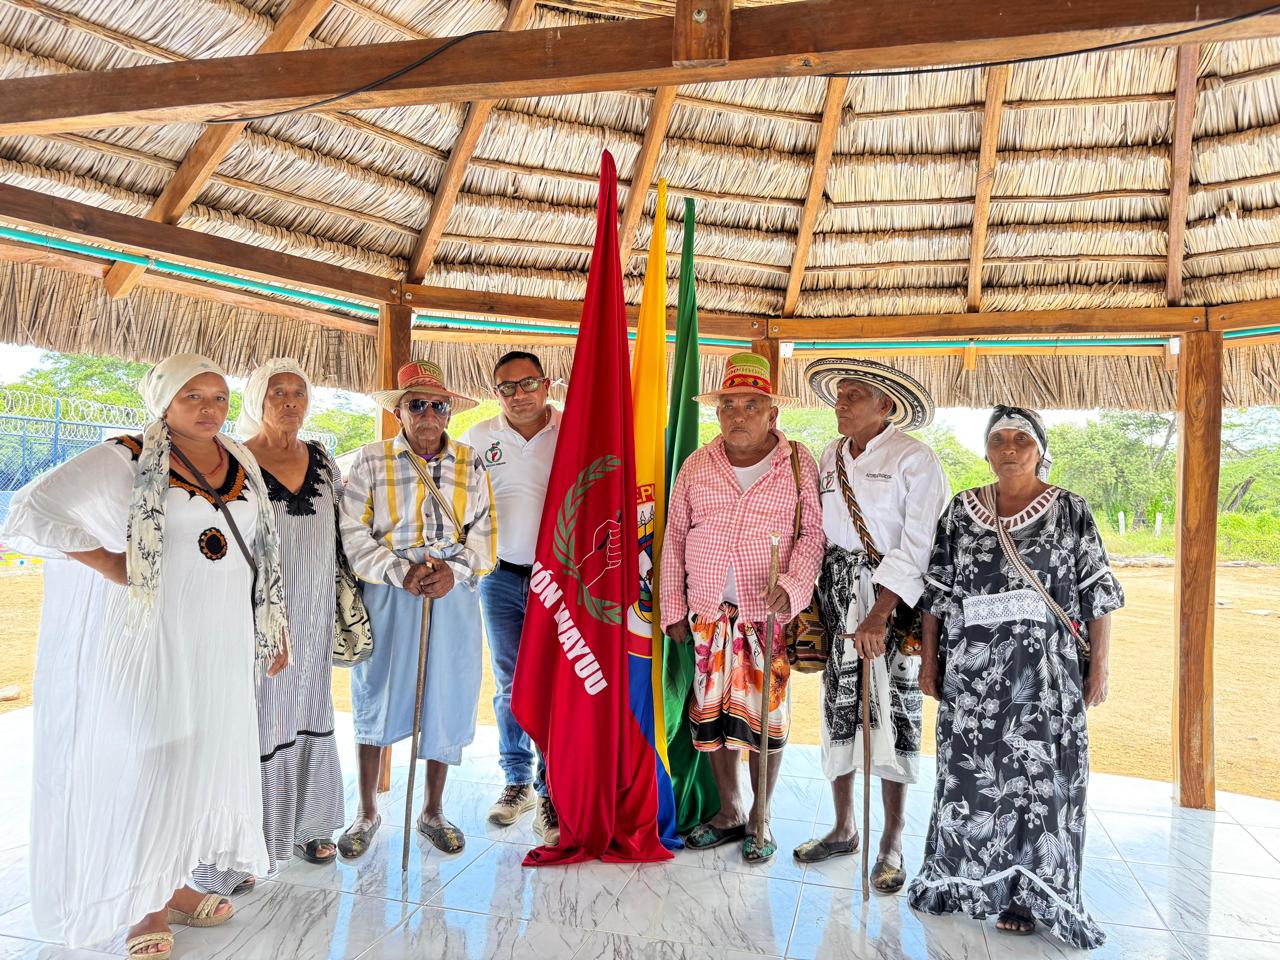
(695,788)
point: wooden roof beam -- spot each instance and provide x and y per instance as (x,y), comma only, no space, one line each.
(814,37)
(1184,115)
(455,169)
(993,109)
(204,157)
(832,114)
(642,171)
(1143,321)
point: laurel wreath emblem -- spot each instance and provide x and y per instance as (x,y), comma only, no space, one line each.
(606,611)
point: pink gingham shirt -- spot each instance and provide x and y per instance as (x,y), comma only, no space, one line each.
(712,522)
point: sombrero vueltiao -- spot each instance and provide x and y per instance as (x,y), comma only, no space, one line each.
(912,405)
(745,373)
(421,376)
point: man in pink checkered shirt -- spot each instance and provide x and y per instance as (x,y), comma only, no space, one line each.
(729,496)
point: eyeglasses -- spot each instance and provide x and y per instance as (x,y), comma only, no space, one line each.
(419,406)
(529,385)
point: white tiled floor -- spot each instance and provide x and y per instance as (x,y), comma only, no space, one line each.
(1165,883)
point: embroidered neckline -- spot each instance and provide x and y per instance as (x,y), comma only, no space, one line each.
(1032,511)
(232,485)
(300,504)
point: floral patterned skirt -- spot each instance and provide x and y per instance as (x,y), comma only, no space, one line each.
(724,710)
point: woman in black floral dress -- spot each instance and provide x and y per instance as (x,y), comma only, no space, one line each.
(1013,677)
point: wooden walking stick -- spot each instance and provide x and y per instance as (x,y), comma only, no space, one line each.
(866,776)
(766,693)
(423,638)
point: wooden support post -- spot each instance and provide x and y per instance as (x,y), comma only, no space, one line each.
(1184,115)
(770,349)
(993,108)
(701,34)
(1199,453)
(971,357)
(384,771)
(394,338)
(642,171)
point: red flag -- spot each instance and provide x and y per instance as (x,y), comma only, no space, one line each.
(570,691)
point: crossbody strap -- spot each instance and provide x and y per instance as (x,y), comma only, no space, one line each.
(855,511)
(219,503)
(445,507)
(795,472)
(1010,547)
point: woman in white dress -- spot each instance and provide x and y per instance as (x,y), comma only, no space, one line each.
(145,727)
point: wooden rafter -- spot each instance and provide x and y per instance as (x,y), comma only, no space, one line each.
(642,171)
(450,183)
(807,38)
(832,114)
(1184,114)
(993,109)
(293,27)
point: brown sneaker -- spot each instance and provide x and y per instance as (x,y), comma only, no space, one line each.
(546,824)
(517,799)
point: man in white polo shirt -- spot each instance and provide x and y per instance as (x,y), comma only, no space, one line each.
(517,448)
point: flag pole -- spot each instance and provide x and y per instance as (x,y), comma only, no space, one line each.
(423,638)
(766,693)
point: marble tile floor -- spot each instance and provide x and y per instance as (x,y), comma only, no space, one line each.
(1166,884)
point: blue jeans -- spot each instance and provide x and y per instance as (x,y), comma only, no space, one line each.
(502,598)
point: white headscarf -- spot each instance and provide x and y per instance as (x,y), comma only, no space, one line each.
(1029,422)
(249,423)
(145,546)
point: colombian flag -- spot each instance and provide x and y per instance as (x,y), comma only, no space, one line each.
(649,401)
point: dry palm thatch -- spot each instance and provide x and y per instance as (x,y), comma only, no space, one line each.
(1078,216)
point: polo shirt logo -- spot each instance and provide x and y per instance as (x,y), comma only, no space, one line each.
(493,456)
(828,482)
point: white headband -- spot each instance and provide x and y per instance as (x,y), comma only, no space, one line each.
(249,423)
(1015,422)
(162,382)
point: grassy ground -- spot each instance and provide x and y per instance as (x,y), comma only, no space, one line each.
(1130,733)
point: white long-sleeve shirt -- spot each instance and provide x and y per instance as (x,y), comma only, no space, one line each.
(902,490)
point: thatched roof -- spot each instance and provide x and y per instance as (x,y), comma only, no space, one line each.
(1078,218)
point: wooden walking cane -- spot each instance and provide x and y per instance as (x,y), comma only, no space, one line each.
(423,639)
(766,692)
(866,776)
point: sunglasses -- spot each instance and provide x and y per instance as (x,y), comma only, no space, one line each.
(419,406)
(529,385)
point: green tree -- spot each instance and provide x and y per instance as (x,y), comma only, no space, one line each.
(1123,460)
(964,468)
(353,428)
(83,376)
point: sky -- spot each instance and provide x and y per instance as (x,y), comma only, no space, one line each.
(967,423)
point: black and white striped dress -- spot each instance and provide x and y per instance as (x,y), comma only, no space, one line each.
(301,778)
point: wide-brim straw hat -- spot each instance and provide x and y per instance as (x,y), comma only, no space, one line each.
(421,376)
(745,374)
(912,405)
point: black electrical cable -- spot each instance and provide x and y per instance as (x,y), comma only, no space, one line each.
(1100,48)
(372,85)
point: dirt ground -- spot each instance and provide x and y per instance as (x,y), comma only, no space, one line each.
(1130,733)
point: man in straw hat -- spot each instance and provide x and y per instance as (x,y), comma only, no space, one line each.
(405,545)
(730,498)
(882,493)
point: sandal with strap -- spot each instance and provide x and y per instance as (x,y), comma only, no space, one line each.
(205,914)
(815,851)
(706,835)
(136,946)
(753,851)
(446,839)
(1019,922)
(888,879)
(310,851)
(355,842)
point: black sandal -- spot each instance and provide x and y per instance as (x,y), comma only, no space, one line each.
(1023,923)
(705,836)
(310,851)
(815,851)
(355,843)
(446,839)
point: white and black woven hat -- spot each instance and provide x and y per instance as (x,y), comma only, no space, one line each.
(912,405)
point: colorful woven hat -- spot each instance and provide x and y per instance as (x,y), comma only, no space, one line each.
(912,405)
(745,373)
(421,376)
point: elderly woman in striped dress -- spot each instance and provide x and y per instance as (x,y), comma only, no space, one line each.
(301,779)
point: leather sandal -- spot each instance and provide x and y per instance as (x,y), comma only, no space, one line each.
(446,839)
(137,946)
(754,851)
(355,843)
(705,836)
(887,879)
(815,851)
(310,851)
(1021,922)
(205,914)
